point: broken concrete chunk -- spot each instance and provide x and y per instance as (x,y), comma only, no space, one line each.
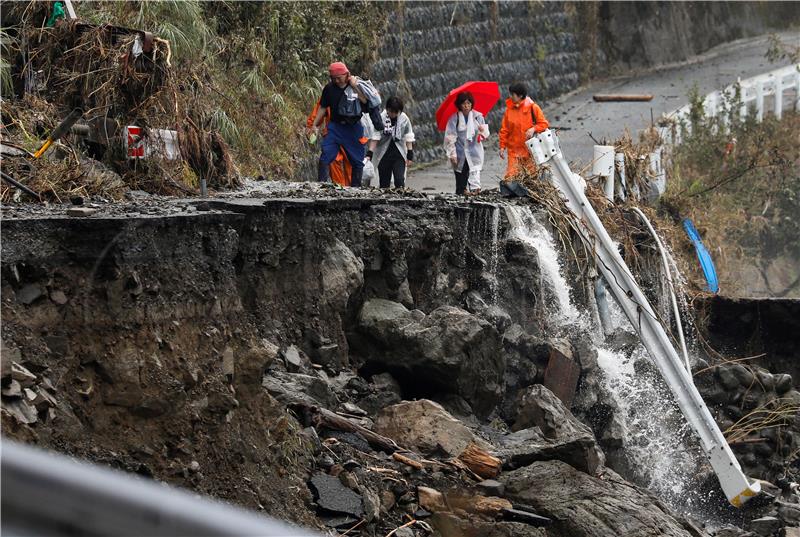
(331,495)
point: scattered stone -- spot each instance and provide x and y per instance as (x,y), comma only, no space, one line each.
(350,408)
(348,480)
(727,378)
(80,211)
(228,366)
(490,487)
(431,499)
(331,495)
(14,389)
(404,532)
(765,526)
(290,388)
(291,356)
(783,383)
(22,375)
(58,297)
(744,375)
(351,464)
(194,466)
(387,500)
(21,411)
(372,505)
(339,521)
(29,294)
(424,426)
(789,513)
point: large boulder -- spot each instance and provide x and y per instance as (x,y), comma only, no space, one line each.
(581,505)
(424,426)
(546,430)
(450,350)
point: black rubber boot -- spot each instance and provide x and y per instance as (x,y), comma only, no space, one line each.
(355,178)
(323,172)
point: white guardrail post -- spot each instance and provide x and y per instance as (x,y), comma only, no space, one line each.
(545,150)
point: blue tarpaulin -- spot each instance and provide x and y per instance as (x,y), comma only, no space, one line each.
(703,256)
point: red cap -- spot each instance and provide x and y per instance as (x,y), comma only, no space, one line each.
(337,68)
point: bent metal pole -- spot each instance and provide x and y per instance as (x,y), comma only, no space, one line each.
(545,150)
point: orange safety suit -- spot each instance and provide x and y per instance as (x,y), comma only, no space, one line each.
(516,121)
(341,171)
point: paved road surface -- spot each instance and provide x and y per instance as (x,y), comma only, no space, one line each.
(577,114)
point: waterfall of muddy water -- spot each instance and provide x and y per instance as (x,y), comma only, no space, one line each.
(494,252)
(526,228)
(659,447)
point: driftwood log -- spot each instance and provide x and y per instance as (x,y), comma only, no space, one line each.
(621,98)
(480,461)
(322,417)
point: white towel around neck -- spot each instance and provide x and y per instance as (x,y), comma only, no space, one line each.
(470,125)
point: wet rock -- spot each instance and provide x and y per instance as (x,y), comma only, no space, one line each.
(29,294)
(789,513)
(584,506)
(450,349)
(765,526)
(424,426)
(295,387)
(498,317)
(783,383)
(727,378)
(14,389)
(744,375)
(562,372)
(331,495)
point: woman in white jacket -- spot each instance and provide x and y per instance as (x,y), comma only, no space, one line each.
(463,142)
(393,149)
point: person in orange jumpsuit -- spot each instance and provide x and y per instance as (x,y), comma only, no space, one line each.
(523,119)
(340,168)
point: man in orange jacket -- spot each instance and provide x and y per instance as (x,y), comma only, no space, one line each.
(523,119)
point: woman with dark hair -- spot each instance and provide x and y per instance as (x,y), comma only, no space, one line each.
(463,142)
(392,148)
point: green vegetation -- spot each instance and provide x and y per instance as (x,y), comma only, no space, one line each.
(739,181)
(251,71)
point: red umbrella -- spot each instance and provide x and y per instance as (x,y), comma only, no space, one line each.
(486,95)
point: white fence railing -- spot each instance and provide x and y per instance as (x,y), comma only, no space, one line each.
(773,92)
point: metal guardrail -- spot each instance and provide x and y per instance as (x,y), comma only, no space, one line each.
(45,493)
(766,93)
(545,149)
